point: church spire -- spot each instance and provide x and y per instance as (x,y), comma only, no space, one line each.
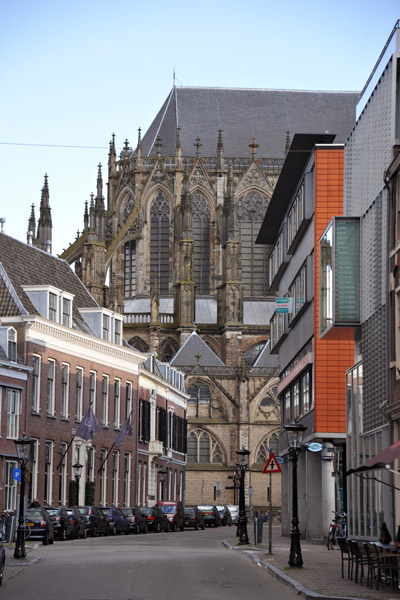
(197,145)
(44,232)
(139,150)
(112,157)
(100,199)
(254,147)
(86,217)
(31,226)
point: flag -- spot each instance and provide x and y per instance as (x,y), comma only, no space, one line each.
(88,426)
(126,430)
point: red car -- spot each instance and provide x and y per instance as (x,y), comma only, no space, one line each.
(174,513)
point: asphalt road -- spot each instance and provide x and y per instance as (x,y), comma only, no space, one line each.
(189,565)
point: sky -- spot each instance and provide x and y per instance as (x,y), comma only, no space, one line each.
(73,73)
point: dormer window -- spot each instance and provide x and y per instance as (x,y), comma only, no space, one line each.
(104,323)
(51,303)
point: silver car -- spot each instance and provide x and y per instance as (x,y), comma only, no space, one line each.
(234,510)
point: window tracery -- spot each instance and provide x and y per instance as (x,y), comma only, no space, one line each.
(202,448)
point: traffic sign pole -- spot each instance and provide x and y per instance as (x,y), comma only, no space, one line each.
(270,516)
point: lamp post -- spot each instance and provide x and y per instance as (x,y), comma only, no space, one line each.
(77,467)
(242,464)
(23,446)
(295,432)
(163,477)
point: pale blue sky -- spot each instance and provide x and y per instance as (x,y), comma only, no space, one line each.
(75,72)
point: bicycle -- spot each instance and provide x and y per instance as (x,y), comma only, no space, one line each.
(338,528)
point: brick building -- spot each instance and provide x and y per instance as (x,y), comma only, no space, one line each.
(63,352)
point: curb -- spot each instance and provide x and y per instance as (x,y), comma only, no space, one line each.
(253,554)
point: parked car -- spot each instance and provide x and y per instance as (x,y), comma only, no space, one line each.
(210,514)
(224,513)
(174,512)
(156,520)
(234,510)
(116,519)
(137,521)
(40,525)
(96,520)
(63,525)
(193,517)
(78,521)
(2,558)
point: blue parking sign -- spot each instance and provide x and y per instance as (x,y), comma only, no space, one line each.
(17,474)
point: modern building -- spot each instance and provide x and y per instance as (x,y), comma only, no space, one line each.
(62,353)
(312,368)
(371,197)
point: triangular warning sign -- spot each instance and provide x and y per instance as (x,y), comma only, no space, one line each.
(272,465)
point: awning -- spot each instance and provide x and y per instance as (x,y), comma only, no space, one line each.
(379,461)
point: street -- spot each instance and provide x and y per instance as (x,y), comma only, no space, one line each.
(189,565)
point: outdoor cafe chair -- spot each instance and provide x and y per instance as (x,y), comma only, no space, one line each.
(359,557)
(346,556)
(387,567)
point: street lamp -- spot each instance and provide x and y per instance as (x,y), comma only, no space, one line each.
(23,446)
(163,478)
(242,464)
(77,467)
(295,432)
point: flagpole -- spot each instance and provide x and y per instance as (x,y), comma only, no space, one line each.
(69,444)
(105,460)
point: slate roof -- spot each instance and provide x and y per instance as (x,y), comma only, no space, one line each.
(243,114)
(187,354)
(265,359)
(22,264)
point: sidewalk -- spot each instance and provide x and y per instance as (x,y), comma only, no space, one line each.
(16,565)
(321,574)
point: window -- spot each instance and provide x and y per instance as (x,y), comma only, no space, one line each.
(79,394)
(297,399)
(33,480)
(13,412)
(10,498)
(117,403)
(66,311)
(90,463)
(203,448)
(48,473)
(297,292)
(64,390)
(52,307)
(62,487)
(12,344)
(130,269)
(115,477)
(127,478)
(199,395)
(106,328)
(251,211)
(253,353)
(92,390)
(201,249)
(159,242)
(36,360)
(51,371)
(296,215)
(144,421)
(128,399)
(103,477)
(307,405)
(105,400)
(277,328)
(267,446)
(117,331)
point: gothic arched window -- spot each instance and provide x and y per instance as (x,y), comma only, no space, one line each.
(139,344)
(159,242)
(168,351)
(199,394)
(266,447)
(130,269)
(251,211)
(203,448)
(201,238)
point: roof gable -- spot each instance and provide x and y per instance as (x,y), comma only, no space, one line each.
(193,348)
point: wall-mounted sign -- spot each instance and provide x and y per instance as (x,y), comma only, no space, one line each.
(314,447)
(283,305)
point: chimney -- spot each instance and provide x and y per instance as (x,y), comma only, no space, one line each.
(2,221)
(48,246)
(30,238)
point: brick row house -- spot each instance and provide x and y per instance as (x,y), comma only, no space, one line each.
(61,353)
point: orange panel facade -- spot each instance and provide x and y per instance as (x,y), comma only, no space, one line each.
(332,357)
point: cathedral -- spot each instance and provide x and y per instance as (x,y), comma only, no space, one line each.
(171,246)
